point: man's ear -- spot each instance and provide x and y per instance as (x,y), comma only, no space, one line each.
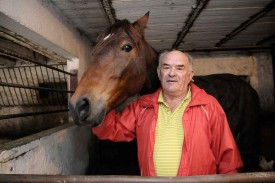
(158,71)
(191,75)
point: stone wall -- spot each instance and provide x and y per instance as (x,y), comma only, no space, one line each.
(256,65)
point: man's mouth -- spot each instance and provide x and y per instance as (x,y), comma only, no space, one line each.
(171,81)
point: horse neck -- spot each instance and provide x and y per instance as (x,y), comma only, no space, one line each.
(152,82)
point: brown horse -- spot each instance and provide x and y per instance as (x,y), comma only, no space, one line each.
(120,67)
(124,64)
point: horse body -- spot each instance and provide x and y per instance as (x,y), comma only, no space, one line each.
(242,108)
(124,64)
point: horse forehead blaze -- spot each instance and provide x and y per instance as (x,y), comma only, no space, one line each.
(109,35)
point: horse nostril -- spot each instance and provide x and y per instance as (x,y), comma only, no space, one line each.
(82,109)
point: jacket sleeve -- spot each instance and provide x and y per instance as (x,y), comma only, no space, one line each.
(223,145)
(118,126)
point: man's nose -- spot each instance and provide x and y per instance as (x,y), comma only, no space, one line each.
(172,71)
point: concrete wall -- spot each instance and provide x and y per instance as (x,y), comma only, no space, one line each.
(62,150)
(256,65)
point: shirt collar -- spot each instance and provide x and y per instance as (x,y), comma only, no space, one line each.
(161,99)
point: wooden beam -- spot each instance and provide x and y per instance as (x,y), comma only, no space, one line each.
(273,67)
(9,35)
(266,39)
(248,22)
(109,11)
(189,22)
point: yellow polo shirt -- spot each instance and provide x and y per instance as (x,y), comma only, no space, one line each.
(169,137)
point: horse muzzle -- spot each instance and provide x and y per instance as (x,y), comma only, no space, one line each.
(87,112)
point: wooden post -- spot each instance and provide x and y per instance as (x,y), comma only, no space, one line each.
(73,81)
(239,177)
(273,67)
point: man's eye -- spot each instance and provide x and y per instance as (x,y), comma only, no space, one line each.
(166,67)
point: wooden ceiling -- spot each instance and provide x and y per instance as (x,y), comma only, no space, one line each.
(194,25)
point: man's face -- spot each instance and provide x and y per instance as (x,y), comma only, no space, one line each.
(174,73)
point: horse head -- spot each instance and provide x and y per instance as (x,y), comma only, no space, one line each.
(120,63)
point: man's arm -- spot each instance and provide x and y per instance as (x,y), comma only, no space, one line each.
(118,126)
(223,145)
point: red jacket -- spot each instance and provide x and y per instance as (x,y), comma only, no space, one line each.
(208,148)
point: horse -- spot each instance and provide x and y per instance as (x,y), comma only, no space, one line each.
(121,65)
(124,64)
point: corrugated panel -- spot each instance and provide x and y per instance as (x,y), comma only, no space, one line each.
(217,21)
(256,32)
(166,18)
(86,15)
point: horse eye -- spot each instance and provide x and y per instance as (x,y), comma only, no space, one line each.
(127,48)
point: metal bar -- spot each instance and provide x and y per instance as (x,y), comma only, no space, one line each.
(189,22)
(25,91)
(36,65)
(48,101)
(3,91)
(55,86)
(67,81)
(14,89)
(38,101)
(22,99)
(22,87)
(3,102)
(32,87)
(263,177)
(13,55)
(30,114)
(7,100)
(7,97)
(53,102)
(60,81)
(248,22)
(28,84)
(35,91)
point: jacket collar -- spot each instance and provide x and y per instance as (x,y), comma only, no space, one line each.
(198,95)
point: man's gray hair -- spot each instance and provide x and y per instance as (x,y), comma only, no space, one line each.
(190,58)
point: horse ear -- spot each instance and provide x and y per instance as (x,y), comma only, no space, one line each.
(141,23)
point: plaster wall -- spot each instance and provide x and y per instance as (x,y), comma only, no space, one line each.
(41,23)
(256,65)
(62,150)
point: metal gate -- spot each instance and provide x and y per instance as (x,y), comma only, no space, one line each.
(33,84)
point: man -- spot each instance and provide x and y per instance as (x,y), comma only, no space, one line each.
(180,130)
